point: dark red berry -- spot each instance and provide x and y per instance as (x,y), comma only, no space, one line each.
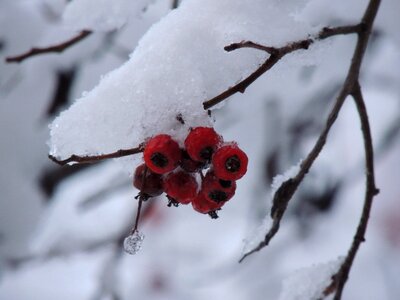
(190,165)
(204,206)
(217,190)
(230,162)
(181,187)
(162,154)
(201,143)
(152,182)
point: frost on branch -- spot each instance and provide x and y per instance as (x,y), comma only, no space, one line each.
(279,179)
(309,283)
(258,234)
(177,65)
(100,15)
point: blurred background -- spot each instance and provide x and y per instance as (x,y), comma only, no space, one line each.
(61,228)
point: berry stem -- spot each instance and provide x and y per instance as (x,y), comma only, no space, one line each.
(141,199)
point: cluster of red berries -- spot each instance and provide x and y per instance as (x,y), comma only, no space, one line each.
(179,172)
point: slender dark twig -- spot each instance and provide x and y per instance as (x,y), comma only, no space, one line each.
(340,278)
(175,4)
(141,199)
(97,158)
(55,48)
(285,192)
(276,53)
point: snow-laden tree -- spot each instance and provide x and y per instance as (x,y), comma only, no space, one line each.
(300,85)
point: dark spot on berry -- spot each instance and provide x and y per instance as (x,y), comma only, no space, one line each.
(206,153)
(218,196)
(232,164)
(225,183)
(158,159)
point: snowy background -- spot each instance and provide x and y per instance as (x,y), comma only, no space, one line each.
(61,228)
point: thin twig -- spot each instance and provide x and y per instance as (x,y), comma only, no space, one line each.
(175,4)
(276,53)
(55,48)
(141,199)
(286,191)
(340,278)
(97,158)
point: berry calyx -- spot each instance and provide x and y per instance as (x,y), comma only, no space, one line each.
(202,205)
(217,190)
(230,162)
(181,187)
(201,143)
(190,165)
(162,154)
(150,184)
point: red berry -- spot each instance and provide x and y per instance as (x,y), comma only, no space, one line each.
(229,162)
(217,190)
(204,206)
(201,143)
(181,187)
(152,182)
(162,154)
(189,165)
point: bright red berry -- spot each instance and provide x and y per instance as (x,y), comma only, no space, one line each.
(190,165)
(204,206)
(230,162)
(181,187)
(150,183)
(162,154)
(217,190)
(201,143)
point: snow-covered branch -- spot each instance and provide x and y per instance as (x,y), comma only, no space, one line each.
(276,53)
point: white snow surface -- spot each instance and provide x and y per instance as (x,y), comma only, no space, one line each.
(76,220)
(179,63)
(56,277)
(309,283)
(100,15)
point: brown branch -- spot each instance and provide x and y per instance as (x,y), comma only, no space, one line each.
(55,48)
(276,53)
(286,191)
(97,158)
(340,278)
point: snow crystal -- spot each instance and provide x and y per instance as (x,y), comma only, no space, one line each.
(178,64)
(133,242)
(309,283)
(100,15)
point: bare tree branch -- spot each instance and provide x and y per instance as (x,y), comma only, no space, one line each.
(286,191)
(55,48)
(340,278)
(276,53)
(97,158)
